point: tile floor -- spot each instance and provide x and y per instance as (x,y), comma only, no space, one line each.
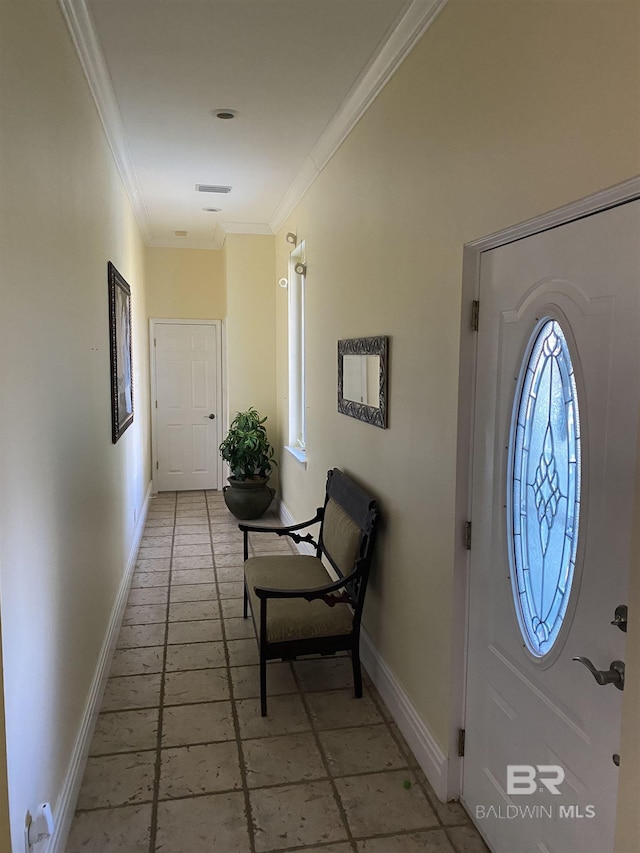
(181,760)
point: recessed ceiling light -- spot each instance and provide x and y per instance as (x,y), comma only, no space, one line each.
(212,209)
(225,114)
(212,188)
(180,233)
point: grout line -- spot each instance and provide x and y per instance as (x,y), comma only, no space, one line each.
(153,828)
(234,710)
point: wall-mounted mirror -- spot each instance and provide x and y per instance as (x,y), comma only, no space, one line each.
(362,379)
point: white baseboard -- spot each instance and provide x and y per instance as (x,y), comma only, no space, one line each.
(66,804)
(424,746)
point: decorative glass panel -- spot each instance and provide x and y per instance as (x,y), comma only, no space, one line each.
(545,488)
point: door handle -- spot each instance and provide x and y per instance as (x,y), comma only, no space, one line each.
(614,675)
(211,416)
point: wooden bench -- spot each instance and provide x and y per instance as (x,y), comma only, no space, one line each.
(297,606)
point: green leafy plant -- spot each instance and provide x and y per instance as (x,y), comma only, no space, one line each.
(246,447)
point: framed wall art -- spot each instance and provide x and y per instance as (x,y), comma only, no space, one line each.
(121,361)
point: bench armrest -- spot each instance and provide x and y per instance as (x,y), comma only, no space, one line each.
(322,592)
(282,531)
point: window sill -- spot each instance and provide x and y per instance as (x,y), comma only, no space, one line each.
(298,454)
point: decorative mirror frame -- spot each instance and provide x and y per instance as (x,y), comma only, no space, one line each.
(375,415)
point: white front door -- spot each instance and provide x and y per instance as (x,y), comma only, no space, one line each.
(187,404)
(557,403)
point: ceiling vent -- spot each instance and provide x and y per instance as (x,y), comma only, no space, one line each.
(212,188)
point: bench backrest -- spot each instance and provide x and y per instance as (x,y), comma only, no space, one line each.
(347,532)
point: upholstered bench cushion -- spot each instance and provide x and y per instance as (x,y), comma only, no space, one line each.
(294,618)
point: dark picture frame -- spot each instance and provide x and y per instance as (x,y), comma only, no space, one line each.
(378,346)
(121,359)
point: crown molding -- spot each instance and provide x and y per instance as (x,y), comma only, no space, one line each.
(83,35)
(410,27)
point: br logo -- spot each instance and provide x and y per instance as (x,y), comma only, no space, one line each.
(527,778)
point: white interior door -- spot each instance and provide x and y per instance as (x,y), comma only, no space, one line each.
(187,405)
(541,733)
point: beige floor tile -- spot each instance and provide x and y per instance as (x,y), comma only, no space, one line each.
(203,561)
(142,579)
(131,636)
(227,546)
(282,760)
(193,538)
(138,661)
(148,595)
(203,723)
(286,715)
(295,815)
(243,652)
(202,769)
(192,529)
(187,826)
(434,841)
(195,655)
(165,519)
(203,550)
(116,780)
(194,592)
(338,709)
(156,539)
(145,614)
(246,680)
(324,673)
(111,831)
(466,839)
(151,552)
(125,731)
(330,848)
(231,590)
(158,564)
(192,576)
(229,574)
(193,611)
(230,559)
(196,631)
(231,607)
(239,629)
(131,691)
(379,803)
(202,685)
(361,750)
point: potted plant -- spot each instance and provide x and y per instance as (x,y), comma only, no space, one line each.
(249,454)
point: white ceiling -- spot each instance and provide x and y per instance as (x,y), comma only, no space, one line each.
(299,73)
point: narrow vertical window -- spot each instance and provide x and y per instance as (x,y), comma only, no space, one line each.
(544,487)
(297,405)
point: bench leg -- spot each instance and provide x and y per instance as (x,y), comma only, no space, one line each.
(357,673)
(263,686)
(246,602)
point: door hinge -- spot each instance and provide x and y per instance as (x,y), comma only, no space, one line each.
(156,404)
(467,535)
(461,736)
(157,466)
(154,342)
(475,315)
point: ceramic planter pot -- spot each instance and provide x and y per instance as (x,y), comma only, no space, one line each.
(248,499)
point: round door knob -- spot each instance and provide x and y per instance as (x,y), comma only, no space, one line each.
(211,416)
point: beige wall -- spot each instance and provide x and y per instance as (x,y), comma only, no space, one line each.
(186,284)
(5,833)
(251,346)
(68,496)
(503,111)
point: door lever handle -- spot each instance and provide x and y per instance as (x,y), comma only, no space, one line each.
(211,416)
(614,675)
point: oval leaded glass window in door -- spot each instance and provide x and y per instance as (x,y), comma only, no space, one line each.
(544,486)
